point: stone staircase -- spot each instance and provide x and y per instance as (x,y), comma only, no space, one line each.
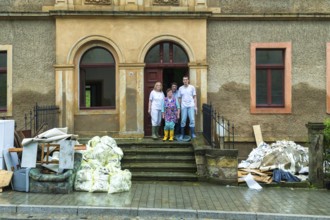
(157,160)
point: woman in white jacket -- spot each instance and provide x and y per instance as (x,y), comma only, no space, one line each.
(156,98)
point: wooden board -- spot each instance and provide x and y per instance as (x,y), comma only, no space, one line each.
(5,178)
(257,134)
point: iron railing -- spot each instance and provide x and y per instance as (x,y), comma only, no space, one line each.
(40,118)
(218,131)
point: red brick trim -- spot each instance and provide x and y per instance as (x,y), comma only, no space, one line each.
(287,79)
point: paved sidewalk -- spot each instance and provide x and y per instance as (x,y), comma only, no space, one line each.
(171,200)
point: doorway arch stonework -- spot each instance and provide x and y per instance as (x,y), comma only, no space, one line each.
(197,71)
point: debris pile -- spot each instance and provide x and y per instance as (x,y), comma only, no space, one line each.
(277,162)
(100,170)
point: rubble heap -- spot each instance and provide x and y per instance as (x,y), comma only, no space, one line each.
(285,156)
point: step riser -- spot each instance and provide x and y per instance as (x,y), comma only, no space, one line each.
(164,179)
(147,169)
(158,161)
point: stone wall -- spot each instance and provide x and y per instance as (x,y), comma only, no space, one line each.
(24,6)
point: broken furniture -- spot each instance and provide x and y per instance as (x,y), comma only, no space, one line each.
(7,128)
(54,183)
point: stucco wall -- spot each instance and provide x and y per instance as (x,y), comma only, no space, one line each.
(26,5)
(267,6)
(33,44)
(229,74)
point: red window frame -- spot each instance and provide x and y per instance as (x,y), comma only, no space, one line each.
(287,108)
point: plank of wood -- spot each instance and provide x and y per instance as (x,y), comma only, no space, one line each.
(252,171)
(5,177)
(257,134)
(76,147)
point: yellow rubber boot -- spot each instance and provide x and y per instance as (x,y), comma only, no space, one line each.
(171,135)
(165,135)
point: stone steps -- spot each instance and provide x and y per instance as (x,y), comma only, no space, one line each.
(165,161)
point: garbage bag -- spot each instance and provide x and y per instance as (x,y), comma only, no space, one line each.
(101,168)
(120,182)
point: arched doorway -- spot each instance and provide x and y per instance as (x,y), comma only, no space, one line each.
(166,62)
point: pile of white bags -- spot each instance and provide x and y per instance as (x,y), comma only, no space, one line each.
(100,170)
(284,155)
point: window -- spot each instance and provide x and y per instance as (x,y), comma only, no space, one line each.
(166,53)
(270,78)
(3,80)
(97,79)
(6,80)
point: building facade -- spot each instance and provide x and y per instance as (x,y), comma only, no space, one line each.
(257,62)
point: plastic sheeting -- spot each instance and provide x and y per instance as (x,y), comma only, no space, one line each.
(100,170)
(285,155)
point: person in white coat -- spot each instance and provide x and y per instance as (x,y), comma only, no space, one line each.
(156,98)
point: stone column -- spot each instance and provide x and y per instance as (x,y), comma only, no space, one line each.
(64,86)
(198,78)
(316,151)
(131,100)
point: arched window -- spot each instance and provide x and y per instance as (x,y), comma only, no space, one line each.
(97,79)
(166,53)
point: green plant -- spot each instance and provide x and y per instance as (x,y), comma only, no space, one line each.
(326,132)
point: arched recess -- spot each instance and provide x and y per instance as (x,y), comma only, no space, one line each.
(74,58)
(177,40)
(89,40)
(166,60)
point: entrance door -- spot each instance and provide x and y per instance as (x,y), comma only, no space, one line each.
(166,62)
(164,75)
(151,76)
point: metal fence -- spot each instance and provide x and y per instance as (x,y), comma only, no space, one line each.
(218,131)
(40,118)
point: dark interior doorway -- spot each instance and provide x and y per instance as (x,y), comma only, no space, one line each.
(171,75)
(167,76)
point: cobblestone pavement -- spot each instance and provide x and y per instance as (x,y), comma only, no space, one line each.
(170,200)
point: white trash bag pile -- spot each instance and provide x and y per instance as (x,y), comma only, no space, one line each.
(284,155)
(100,170)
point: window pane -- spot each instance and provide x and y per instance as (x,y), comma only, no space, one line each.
(97,55)
(153,55)
(277,87)
(100,87)
(261,90)
(179,56)
(269,57)
(166,53)
(3,59)
(3,90)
